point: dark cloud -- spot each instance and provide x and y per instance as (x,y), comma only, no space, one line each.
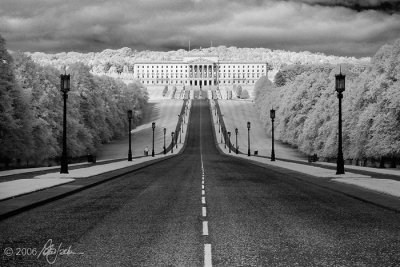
(388,6)
(332,27)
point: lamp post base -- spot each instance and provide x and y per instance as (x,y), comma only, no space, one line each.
(64,167)
(273,156)
(130,156)
(248,153)
(340,166)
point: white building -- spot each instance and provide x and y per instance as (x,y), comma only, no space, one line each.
(199,71)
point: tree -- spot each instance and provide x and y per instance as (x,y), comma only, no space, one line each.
(279,79)
(238,91)
(165,91)
(15,116)
(307,108)
(36,84)
(244,94)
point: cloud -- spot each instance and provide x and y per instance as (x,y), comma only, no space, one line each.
(332,27)
(387,6)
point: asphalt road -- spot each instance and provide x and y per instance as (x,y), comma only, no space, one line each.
(246,216)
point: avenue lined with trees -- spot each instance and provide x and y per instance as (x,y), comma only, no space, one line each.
(306,106)
(31,110)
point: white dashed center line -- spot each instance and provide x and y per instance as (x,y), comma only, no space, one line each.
(207,255)
(204,211)
(207,247)
(205,228)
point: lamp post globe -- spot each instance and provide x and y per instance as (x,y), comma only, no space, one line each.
(65,87)
(153,126)
(340,88)
(248,138)
(130,115)
(272,116)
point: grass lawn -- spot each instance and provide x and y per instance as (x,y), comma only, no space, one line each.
(164,113)
(236,115)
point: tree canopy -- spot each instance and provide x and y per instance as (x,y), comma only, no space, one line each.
(31,109)
(307,106)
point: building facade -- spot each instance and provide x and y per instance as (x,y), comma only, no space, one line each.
(199,71)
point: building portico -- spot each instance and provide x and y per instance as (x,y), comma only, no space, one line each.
(202,71)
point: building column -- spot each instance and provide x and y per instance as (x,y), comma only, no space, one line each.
(217,74)
(197,70)
(212,74)
(187,74)
(209,74)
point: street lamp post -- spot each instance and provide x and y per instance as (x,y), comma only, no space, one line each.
(153,125)
(224,132)
(229,143)
(248,138)
(176,139)
(220,128)
(65,87)
(340,87)
(130,141)
(165,149)
(272,115)
(172,142)
(180,135)
(237,149)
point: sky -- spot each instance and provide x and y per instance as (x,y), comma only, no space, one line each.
(334,27)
